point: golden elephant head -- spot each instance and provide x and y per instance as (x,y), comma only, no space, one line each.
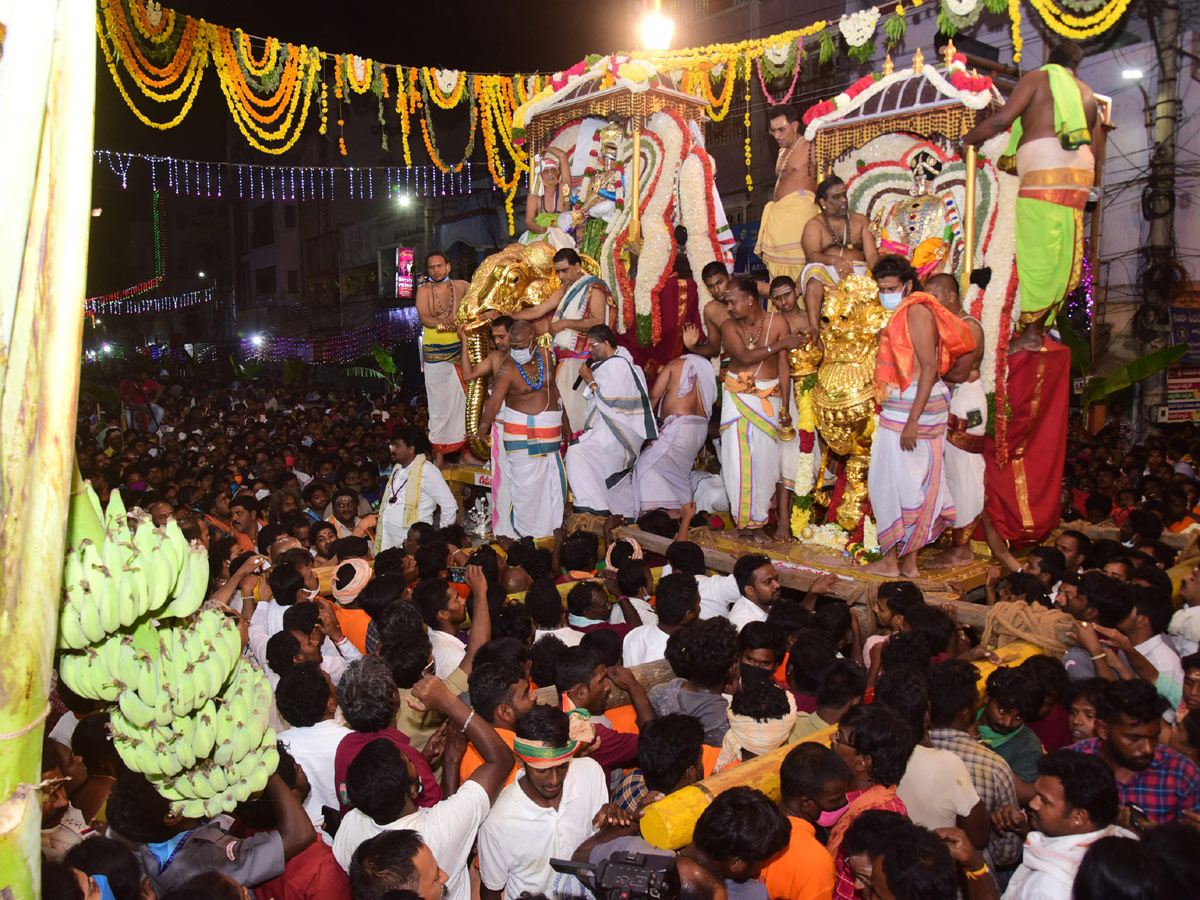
(516,278)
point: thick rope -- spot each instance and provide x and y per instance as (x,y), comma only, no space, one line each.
(1020,621)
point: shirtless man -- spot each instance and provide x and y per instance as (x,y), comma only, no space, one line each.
(1057,170)
(964,430)
(489,365)
(836,243)
(716,280)
(530,485)
(683,396)
(437,302)
(758,377)
(581,302)
(792,206)
(783,298)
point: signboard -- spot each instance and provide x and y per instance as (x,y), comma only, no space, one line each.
(404,273)
(1185,329)
(1183,394)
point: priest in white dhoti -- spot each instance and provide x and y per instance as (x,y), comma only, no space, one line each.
(683,395)
(415,492)
(618,420)
(437,303)
(581,302)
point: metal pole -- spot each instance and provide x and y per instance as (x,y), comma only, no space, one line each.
(969,219)
(635,225)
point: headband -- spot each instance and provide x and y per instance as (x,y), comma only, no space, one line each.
(759,736)
(362,574)
(541,755)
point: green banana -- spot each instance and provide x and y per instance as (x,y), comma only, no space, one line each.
(116,509)
(139,713)
(205,730)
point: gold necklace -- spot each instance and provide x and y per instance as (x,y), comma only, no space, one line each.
(752,342)
(782,164)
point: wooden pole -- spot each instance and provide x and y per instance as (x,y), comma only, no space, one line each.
(47,109)
(635,224)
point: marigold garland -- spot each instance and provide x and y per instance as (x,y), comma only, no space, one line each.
(140,14)
(427,134)
(246,54)
(432,89)
(295,86)
(718,108)
(749,142)
(360,85)
(1080,27)
(1014,13)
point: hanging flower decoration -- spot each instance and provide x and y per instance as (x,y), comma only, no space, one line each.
(788,56)
(806,428)
(718,106)
(1014,13)
(430,139)
(445,86)
(152,21)
(858,28)
(1081,27)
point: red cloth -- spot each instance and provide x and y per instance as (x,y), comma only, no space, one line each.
(1023,500)
(347,752)
(136,392)
(896,356)
(312,874)
(679,304)
(1053,730)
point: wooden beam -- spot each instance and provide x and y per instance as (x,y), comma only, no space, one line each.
(852,591)
(647,674)
(1112,533)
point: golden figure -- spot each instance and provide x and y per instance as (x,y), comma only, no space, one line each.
(923,227)
(844,397)
(600,193)
(802,362)
(518,277)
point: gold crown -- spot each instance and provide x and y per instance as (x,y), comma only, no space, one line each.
(610,134)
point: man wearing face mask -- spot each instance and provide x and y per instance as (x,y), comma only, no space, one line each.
(618,420)
(906,481)
(437,302)
(812,780)
(581,302)
(529,482)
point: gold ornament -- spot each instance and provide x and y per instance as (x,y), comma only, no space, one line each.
(918,61)
(844,397)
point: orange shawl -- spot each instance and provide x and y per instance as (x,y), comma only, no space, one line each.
(895,357)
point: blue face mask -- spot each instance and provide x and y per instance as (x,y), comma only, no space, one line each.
(890,299)
(105,888)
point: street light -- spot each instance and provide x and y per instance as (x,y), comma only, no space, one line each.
(257,340)
(106,347)
(403,199)
(199,274)
(656,29)
(1131,74)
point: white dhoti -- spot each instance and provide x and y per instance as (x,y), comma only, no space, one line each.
(789,451)
(502,525)
(617,423)
(965,431)
(534,483)
(441,352)
(662,476)
(827,274)
(750,450)
(574,400)
(708,492)
(909,498)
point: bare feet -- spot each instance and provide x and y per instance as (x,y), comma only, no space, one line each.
(467,458)
(783,533)
(755,535)
(909,570)
(952,558)
(885,566)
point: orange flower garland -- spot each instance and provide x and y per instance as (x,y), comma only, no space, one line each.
(718,108)
(352,79)
(427,131)
(270,55)
(141,21)
(456,95)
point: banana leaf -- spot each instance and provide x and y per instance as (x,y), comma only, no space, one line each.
(1081,351)
(366,372)
(386,363)
(1140,368)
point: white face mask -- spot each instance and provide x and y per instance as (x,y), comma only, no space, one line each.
(890,299)
(522,356)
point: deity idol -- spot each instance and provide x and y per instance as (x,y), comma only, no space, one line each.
(601,194)
(925,228)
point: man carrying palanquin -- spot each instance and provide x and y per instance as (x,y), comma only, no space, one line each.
(437,303)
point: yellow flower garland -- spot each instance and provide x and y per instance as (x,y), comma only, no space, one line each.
(436,94)
(141,21)
(726,99)
(1014,13)
(307,64)
(359,87)
(270,54)
(1080,27)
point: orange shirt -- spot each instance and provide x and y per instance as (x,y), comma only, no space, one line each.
(804,870)
(243,541)
(623,718)
(708,758)
(472,760)
(354,624)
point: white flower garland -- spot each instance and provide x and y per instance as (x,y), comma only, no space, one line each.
(657,238)
(858,28)
(961,8)
(969,99)
(360,71)
(447,79)
(693,212)
(999,255)
(778,54)
(154,13)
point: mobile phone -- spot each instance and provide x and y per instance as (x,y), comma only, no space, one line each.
(458,574)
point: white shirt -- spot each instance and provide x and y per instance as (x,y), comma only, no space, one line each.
(64,728)
(314,748)
(744,612)
(647,643)
(1185,630)
(448,828)
(936,788)
(519,837)
(448,652)
(717,594)
(435,496)
(1160,654)
(644,610)
(1048,864)
(568,636)
(267,620)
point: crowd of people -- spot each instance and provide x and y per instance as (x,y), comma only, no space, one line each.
(459,719)
(444,710)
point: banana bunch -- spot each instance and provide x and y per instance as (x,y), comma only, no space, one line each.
(114,576)
(182,668)
(242,743)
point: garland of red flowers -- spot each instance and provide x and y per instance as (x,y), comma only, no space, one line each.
(964,82)
(709,178)
(1001,429)
(763,83)
(825,107)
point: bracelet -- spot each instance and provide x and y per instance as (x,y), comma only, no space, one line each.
(978,873)
(1098,656)
(768,348)
(467,723)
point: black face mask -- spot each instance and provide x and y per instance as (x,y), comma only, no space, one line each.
(752,675)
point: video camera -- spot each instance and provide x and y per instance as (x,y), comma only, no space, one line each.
(624,876)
